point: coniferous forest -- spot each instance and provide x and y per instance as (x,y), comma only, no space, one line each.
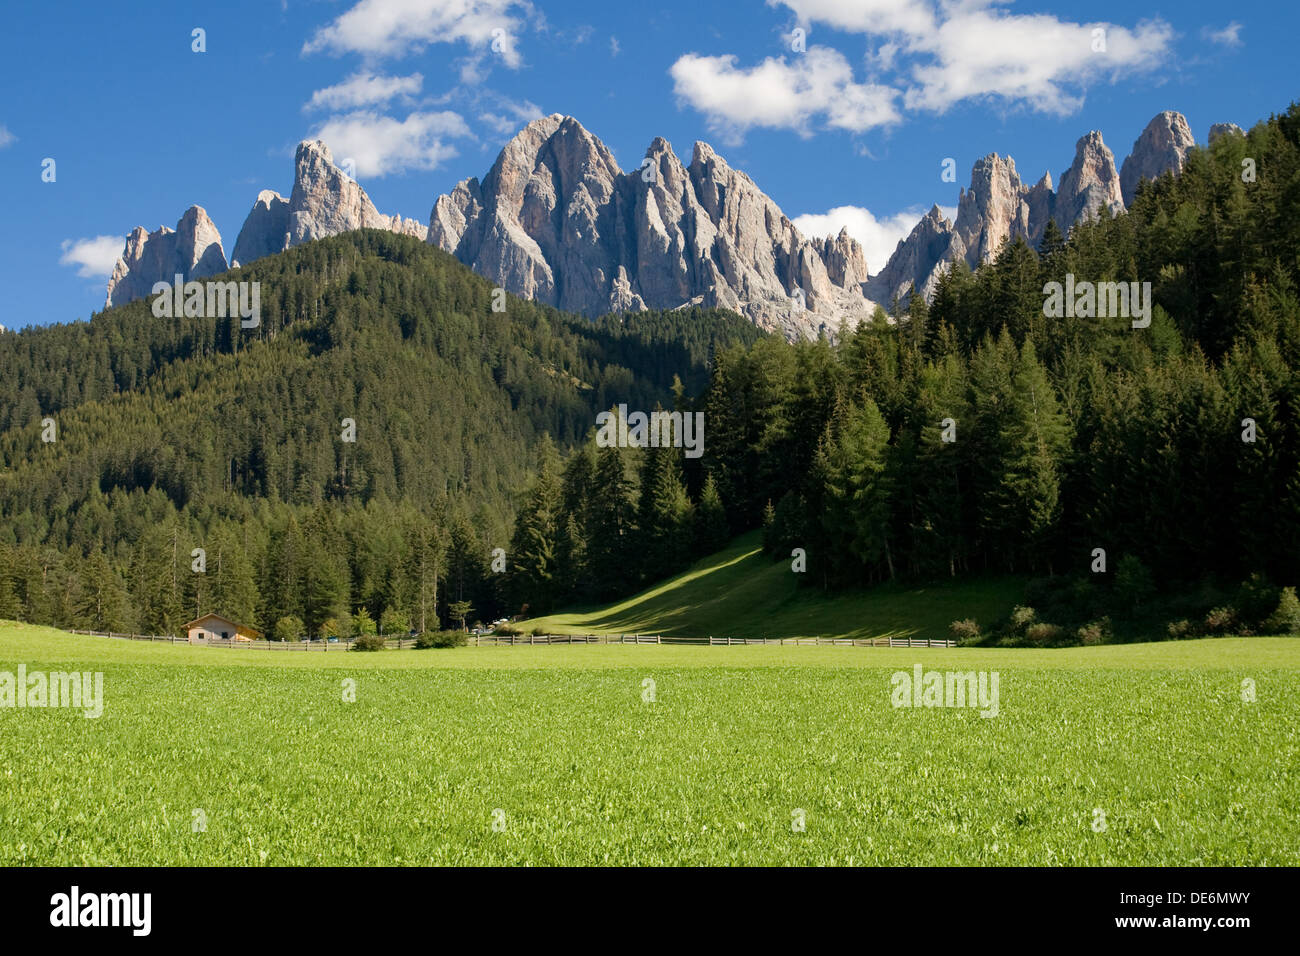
(174,435)
(971,436)
(1149,475)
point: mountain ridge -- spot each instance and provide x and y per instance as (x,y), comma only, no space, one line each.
(557,220)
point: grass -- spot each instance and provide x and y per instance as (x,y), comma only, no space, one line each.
(559,748)
(739,591)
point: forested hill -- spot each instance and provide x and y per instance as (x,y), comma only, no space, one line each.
(175,433)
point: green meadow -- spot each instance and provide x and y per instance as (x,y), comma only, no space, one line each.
(587,754)
(741,592)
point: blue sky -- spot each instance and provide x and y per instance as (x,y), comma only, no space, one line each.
(857,118)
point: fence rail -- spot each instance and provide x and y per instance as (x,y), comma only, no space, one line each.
(404,643)
(517,640)
(493,640)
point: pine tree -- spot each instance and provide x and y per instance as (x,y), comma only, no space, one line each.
(857,491)
(1036,437)
(668,525)
(233,587)
(612,535)
(534,548)
(426,545)
(711,530)
(102,599)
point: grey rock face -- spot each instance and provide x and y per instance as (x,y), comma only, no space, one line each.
(1225,129)
(1089,185)
(193,250)
(1162,147)
(265,231)
(325,202)
(994,209)
(918,261)
(1042,206)
(845,264)
(557,220)
(998,208)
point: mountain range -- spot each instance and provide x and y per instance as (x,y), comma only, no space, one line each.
(556,220)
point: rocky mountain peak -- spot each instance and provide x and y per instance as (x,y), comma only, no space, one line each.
(265,231)
(918,260)
(557,220)
(994,208)
(1091,183)
(1225,129)
(1162,147)
(193,250)
(325,200)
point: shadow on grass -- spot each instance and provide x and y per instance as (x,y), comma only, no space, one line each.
(740,592)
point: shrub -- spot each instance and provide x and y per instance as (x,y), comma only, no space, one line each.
(288,628)
(1180,629)
(1043,633)
(1286,618)
(336,627)
(1022,617)
(1220,620)
(1094,632)
(539,632)
(964,632)
(505,630)
(430,639)
(368,642)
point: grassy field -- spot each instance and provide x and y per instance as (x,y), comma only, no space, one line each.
(741,592)
(558,747)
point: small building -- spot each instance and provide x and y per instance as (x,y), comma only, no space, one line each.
(215,627)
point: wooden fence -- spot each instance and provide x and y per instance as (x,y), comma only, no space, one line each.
(526,639)
(404,643)
(517,640)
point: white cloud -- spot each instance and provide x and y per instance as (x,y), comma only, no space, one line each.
(914,17)
(394,28)
(781,95)
(365,89)
(380,145)
(94,258)
(1034,59)
(614,48)
(1228,36)
(6,137)
(935,53)
(879,237)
